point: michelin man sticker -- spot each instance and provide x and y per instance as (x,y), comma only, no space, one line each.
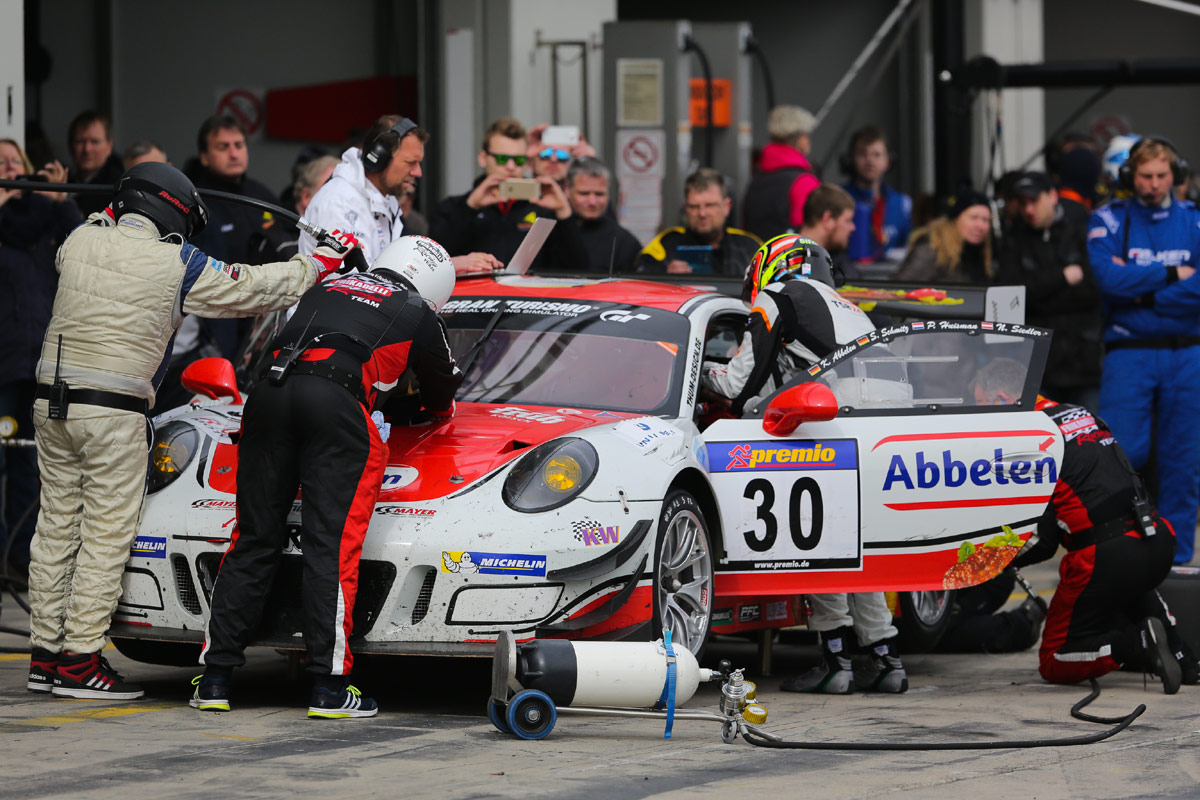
(646,433)
(788,505)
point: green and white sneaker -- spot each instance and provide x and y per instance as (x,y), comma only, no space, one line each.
(212,693)
(340,704)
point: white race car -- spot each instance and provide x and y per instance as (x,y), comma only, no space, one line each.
(584,490)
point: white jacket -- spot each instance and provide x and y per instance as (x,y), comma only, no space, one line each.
(349,202)
(122,292)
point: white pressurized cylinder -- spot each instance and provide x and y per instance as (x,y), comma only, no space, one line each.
(623,674)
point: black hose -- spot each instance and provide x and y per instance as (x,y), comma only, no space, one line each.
(709,130)
(755,49)
(1070,741)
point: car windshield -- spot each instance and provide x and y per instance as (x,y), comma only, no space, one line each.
(553,352)
(930,368)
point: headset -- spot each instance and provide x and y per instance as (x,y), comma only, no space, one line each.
(1179,166)
(378,155)
(846,159)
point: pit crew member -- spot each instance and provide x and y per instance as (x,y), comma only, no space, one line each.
(1118,551)
(1144,251)
(797,318)
(308,425)
(126,278)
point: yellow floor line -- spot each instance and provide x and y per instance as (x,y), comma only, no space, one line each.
(85,715)
(15,657)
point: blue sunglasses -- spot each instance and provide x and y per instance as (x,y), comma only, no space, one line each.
(556,154)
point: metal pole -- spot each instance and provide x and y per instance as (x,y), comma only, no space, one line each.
(857,66)
(554,83)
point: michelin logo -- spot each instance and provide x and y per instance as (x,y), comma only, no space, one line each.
(474,562)
(149,547)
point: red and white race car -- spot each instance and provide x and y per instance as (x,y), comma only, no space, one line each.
(583,489)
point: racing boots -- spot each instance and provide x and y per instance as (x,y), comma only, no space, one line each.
(335,698)
(882,671)
(1159,658)
(835,673)
(212,692)
(89,676)
(43,666)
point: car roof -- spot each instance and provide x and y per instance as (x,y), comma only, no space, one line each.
(668,297)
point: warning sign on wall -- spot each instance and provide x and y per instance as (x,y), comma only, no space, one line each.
(722,102)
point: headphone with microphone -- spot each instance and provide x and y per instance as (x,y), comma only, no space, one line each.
(378,155)
(1179,166)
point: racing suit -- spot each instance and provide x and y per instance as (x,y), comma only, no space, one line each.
(1151,374)
(351,203)
(354,338)
(122,292)
(1111,567)
(792,325)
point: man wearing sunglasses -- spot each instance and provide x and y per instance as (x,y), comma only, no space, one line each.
(481,220)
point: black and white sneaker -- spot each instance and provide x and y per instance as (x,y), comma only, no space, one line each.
(1159,658)
(89,676)
(43,666)
(340,703)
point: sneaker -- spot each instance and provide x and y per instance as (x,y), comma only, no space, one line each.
(91,677)
(212,693)
(834,675)
(1159,658)
(340,704)
(882,672)
(43,666)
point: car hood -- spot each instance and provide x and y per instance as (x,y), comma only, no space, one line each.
(437,459)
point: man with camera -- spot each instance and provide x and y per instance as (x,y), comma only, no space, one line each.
(503,205)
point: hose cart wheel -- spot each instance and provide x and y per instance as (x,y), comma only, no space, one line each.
(531,714)
(755,714)
(496,715)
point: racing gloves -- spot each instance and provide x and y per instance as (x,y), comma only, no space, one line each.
(332,249)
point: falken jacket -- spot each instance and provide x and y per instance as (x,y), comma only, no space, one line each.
(123,291)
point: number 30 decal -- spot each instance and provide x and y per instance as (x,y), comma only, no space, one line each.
(763,512)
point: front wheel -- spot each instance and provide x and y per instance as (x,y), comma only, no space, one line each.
(924,618)
(683,573)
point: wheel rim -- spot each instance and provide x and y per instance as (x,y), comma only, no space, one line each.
(929,607)
(684,581)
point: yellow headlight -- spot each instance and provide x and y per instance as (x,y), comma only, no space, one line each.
(562,473)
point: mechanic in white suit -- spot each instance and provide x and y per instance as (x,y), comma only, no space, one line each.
(362,195)
(796,318)
(126,278)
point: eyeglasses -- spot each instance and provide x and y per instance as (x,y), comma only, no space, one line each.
(502,159)
(557,155)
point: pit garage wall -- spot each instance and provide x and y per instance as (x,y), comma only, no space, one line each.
(170,60)
(12,71)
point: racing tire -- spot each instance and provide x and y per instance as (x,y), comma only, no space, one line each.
(167,654)
(923,618)
(531,715)
(495,712)
(683,574)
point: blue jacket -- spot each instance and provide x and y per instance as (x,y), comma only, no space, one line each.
(1142,298)
(897,223)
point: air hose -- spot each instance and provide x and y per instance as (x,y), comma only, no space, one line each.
(758,740)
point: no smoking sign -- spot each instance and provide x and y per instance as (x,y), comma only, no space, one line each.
(640,153)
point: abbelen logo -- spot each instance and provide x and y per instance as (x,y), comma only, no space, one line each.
(953,473)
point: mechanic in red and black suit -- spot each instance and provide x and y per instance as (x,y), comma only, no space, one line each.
(1118,551)
(308,424)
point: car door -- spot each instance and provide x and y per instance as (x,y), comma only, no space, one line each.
(904,484)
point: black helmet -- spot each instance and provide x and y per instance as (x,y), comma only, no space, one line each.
(164,195)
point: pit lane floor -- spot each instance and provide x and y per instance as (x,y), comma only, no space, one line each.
(432,738)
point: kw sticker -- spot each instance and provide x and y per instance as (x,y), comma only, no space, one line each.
(591,533)
(469,562)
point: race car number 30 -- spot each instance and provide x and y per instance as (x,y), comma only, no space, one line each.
(788,505)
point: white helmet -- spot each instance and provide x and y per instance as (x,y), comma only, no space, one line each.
(421,263)
(1117,154)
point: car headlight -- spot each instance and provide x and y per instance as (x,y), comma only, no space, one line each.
(174,445)
(550,475)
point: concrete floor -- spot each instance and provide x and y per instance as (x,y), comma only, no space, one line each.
(432,738)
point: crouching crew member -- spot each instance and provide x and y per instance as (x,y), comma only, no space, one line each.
(126,279)
(797,318)
(308,426)
(1118,551)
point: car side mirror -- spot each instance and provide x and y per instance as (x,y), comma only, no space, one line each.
(211,377)
(808,402)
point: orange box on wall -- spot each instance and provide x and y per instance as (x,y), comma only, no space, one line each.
(722,89)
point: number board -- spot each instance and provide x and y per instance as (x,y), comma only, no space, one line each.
(788,505)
